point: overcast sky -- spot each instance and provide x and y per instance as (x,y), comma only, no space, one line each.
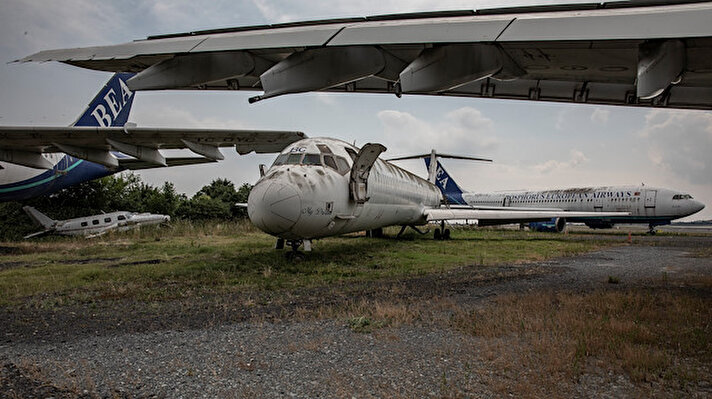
(534,145)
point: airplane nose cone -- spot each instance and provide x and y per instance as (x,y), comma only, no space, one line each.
(274,207)
(698,206)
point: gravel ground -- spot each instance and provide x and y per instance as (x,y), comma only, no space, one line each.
(248,356)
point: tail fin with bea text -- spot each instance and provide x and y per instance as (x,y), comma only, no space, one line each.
(111,106)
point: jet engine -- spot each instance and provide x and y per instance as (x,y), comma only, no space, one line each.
(555,225)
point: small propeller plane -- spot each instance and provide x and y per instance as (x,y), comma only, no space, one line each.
(92,226)
(320,187)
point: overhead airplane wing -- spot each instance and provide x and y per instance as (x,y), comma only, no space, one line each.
(24,145)
(643,53)
(486,217)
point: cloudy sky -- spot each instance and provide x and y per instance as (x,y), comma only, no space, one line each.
(534,145)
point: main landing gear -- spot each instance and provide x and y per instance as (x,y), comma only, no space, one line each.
(652,231)
(441,233)
(295,254)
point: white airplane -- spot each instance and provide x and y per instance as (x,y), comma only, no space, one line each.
(642,204)
(322,187)
(641,53)
(37,161)
(92,226)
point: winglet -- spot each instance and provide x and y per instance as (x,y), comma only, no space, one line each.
(111,106)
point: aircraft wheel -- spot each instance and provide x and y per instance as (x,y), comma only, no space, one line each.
(295,256)
(446,234)
(436,234)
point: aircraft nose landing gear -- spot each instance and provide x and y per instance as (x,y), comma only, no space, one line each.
(295,254)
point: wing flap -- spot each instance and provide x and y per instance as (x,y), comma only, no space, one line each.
(137,164)
(24,137)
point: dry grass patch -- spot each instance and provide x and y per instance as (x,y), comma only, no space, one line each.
(653,335)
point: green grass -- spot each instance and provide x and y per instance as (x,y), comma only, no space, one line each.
(194,260)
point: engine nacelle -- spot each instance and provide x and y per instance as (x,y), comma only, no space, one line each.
(555,225)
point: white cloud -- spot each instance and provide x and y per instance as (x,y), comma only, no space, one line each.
(600,115)
(680,143)
(576,158)
(464,131)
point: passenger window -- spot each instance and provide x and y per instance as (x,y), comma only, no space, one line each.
(121,217)
(343,166)
(280,160)
(293,159)
(107,220)
(329,161)
(85,224)
(95,221)
(312,159)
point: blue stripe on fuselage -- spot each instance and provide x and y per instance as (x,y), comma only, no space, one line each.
(67,172)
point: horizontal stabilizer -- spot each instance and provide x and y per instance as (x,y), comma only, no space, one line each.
(39,234)
(439,155)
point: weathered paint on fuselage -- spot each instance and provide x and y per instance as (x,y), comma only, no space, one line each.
(297,201)
(645,204)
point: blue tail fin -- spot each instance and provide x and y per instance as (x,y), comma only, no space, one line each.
(111,106)
(451,191)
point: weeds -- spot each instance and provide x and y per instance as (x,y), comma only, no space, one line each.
(643,333)
(196,259)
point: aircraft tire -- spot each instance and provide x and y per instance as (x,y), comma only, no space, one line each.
(446,234)
(436,234)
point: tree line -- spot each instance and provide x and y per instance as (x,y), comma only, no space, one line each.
(126,192)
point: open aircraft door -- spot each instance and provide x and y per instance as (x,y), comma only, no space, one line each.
(507,201)
(358,184)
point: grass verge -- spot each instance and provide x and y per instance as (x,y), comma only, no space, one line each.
(190,261)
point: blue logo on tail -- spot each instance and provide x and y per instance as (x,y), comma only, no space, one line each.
(451,191)
(111,106)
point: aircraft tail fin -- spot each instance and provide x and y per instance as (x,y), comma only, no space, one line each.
(39,217)
(447,185)
(111,106)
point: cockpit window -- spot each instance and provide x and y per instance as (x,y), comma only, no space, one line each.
(280,160)
(329,161)
(293,159)
(324,149)
(681,196)
(312,159)
(352,153)
(342,165)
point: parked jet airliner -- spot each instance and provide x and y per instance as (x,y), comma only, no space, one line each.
(36,161)
(324,187)
(642,204)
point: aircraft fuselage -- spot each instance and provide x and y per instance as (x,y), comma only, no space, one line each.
(305,195)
